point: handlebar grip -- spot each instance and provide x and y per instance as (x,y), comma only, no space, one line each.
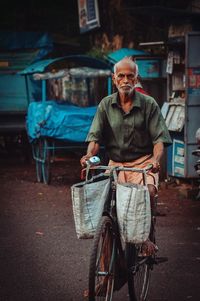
(93,161)
(149,167)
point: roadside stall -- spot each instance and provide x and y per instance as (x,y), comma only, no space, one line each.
(18,50)
(71,88)
(182,109)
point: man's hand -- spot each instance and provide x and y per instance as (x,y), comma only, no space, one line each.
(84,159)
(156,167)
(92,150)
(158,151)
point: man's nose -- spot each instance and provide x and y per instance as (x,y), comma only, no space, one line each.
(126,78)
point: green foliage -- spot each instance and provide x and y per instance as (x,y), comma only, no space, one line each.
(97,53)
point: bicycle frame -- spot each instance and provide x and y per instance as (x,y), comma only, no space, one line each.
(126,266)
(110,204)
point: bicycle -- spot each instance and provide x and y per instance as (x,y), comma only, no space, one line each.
(108,249)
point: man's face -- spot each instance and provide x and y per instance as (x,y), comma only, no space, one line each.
(124,78)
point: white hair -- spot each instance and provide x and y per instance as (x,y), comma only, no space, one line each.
(130,61)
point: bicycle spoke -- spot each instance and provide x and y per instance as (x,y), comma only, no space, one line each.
(141,281)
(101,275)
(138,273)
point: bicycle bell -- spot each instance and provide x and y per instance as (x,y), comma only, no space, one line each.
(94,160)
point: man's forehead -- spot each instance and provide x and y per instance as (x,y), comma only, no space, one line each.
(126,66)
(124,71)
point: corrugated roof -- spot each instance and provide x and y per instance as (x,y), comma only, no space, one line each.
(20,49)
(16,61)
(11,40)
(81,60)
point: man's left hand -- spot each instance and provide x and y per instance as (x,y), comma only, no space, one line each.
(156,167)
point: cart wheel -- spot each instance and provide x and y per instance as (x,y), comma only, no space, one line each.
(46,162)
(38,155)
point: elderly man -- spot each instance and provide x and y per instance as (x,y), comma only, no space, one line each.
(130,126)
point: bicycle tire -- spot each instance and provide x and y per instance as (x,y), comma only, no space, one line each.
(138,275)
(102,267)
(139,279)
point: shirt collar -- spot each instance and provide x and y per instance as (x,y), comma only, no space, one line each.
(136,99)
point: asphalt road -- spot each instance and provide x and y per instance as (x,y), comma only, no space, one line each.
(41,258)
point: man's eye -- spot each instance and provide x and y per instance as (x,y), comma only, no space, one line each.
(128,76)
(120,76)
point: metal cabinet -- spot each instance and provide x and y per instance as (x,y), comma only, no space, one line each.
(192,108)
(184,84)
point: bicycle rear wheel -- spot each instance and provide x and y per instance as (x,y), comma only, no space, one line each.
(139,269)
(102,262)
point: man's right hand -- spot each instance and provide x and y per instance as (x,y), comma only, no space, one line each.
(93,149)
(84,159)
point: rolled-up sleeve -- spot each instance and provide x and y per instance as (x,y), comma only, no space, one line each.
(97,126)
(157,127)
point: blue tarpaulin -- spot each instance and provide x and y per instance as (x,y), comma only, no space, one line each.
(59,121)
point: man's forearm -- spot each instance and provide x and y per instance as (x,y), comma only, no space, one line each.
(93,148)
(158,151)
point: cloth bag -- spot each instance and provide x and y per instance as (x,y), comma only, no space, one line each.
(133,212)
(88,199)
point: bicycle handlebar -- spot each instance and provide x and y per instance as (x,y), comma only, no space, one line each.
(149,167)
(93,164)
(122,168)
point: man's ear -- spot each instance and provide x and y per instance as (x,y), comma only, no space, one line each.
(113,78)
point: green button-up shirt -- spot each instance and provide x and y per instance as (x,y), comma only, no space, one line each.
(128,136)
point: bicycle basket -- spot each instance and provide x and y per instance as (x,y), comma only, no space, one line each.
(133,212)
(88,199)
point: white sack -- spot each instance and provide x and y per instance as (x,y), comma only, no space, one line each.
(88,201)
(133,212)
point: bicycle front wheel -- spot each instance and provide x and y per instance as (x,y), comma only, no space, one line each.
(139,270)
(102,262)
